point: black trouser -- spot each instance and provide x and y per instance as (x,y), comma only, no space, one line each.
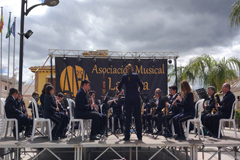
(206,122)
(103,123)
(178,119)
(159,121)
(90,115)
(135,104)
(116,117)
(59,125)
(215,121)
(149,118)
(166,121)
(23,120)
(65,120)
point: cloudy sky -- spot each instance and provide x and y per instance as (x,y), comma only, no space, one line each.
(190,27)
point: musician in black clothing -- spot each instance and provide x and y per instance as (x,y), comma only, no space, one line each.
(132,100)
(146,117)
(63,100)
(116,108)
(83,110)
(103,117)
(63,113)
(42,97)
(35,95)
(12,111)
(160,104)
(22,107)
(206,114)
(224,109)
(186,102)
(21,103)
(172,109)
(51,111)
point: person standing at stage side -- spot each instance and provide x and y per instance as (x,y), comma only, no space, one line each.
(224,109)
(185,101)
(132,100)
(42,97)
(83,110)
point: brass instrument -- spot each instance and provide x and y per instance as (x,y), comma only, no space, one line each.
(214,110)
(166,108)
(153,110)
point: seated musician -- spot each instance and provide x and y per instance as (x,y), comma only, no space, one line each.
(51,111)
(22,107)
(146,113)
(21,103)
(103,118)
(35,95)
(157,114)
(116,107)
(63,100)
(206,114)
(224,109)
(63,113)
(186,102)
(172,109)
(42,97)
(12,111)
(83,110)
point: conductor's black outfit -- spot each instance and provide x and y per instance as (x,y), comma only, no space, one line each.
(224,112)
(206,114)
(132,100)
(51,113)
(83,110)
(12,111)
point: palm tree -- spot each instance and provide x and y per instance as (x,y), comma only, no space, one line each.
(234,17)
(171,73)
(210,72)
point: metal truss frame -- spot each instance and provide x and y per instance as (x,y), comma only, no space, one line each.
(112,54)
(193,148)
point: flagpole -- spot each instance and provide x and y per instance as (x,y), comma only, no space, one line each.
(13,78)
(8,51)
(1,61)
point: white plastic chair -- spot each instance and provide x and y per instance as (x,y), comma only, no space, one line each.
(198,111)
(8,120)
(37,119)
(231,119)
(81,123)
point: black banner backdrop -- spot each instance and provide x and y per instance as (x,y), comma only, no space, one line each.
(70,72)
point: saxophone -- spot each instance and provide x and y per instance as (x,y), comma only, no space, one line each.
(214,110)
(153,109)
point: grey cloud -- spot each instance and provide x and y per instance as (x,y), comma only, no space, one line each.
(146,25)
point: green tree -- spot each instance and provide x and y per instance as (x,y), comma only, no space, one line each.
(210,72)
(234,17)
(171,73)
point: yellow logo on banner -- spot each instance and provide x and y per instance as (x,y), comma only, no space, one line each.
(71,79)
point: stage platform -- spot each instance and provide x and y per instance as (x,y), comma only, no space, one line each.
(192,146)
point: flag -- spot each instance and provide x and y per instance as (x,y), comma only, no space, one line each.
(13,28)
(9,29)
(1,22)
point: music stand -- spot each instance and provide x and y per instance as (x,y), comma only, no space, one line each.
(202,93)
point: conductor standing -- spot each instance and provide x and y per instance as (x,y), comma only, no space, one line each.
(132,100)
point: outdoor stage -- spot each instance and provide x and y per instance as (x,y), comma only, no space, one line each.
(134,149)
